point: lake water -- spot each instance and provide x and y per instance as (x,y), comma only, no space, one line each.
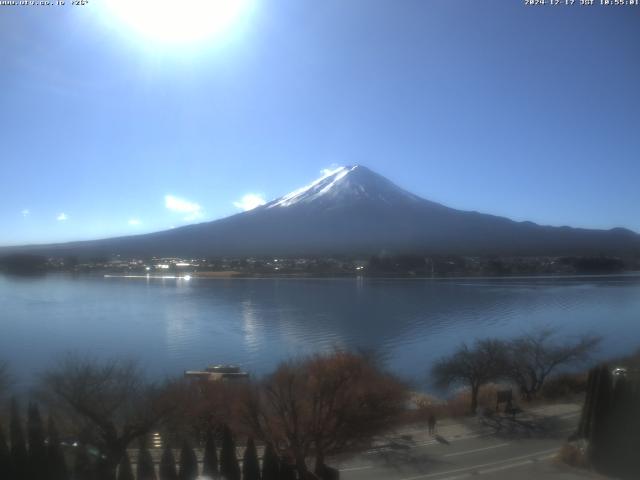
(174,324)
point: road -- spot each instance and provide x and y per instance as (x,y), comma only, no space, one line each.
(497,447)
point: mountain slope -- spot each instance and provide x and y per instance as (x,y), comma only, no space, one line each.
(353,210)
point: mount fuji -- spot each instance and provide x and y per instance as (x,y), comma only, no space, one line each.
(354,211)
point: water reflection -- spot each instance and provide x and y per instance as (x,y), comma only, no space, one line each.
(177,324)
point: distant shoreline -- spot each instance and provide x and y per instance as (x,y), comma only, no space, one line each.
(392,266)
(303,276)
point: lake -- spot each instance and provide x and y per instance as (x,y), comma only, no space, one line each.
(174,324)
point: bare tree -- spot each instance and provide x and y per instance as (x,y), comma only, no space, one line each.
(202,407)
(111,397)
(532,358)
(472,367)
(324,404)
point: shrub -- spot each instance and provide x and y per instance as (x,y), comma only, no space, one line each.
(564,386)
(573,455)
(458,405)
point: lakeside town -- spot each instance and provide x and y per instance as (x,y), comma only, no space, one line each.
(341,265)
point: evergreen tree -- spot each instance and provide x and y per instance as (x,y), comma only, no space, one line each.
(635,420)
(250,465)
(37,450)
(270,464)
(287,471)
(622,428)
(125,472)
(83,468)
(599,441)
(5,456)
(56,463)
(229,467)
(586,417)
(188,463)
(19,455)
(168,465)
(210,461)
(145,470)
(611,423)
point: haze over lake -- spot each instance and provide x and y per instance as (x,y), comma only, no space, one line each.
(176,324)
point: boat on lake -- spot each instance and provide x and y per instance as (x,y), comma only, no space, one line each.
(217,372)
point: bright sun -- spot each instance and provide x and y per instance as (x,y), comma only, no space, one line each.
(175,21)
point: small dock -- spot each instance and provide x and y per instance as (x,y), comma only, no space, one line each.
(217,373)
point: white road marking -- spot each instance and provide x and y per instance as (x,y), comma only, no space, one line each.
(351,469)
(465,437)
(430,442)
(476,450)
(458,477)
(513,465)
(476,467)
(497,469)
(423,444)
(505,467)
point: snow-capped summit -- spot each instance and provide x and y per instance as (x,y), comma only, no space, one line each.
(351,183)
(314,190)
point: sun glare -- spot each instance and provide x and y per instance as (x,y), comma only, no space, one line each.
(174,22)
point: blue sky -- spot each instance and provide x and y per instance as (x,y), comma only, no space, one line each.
(527,112)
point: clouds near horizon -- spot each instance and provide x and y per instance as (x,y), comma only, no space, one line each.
(192,210)
(249,202)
